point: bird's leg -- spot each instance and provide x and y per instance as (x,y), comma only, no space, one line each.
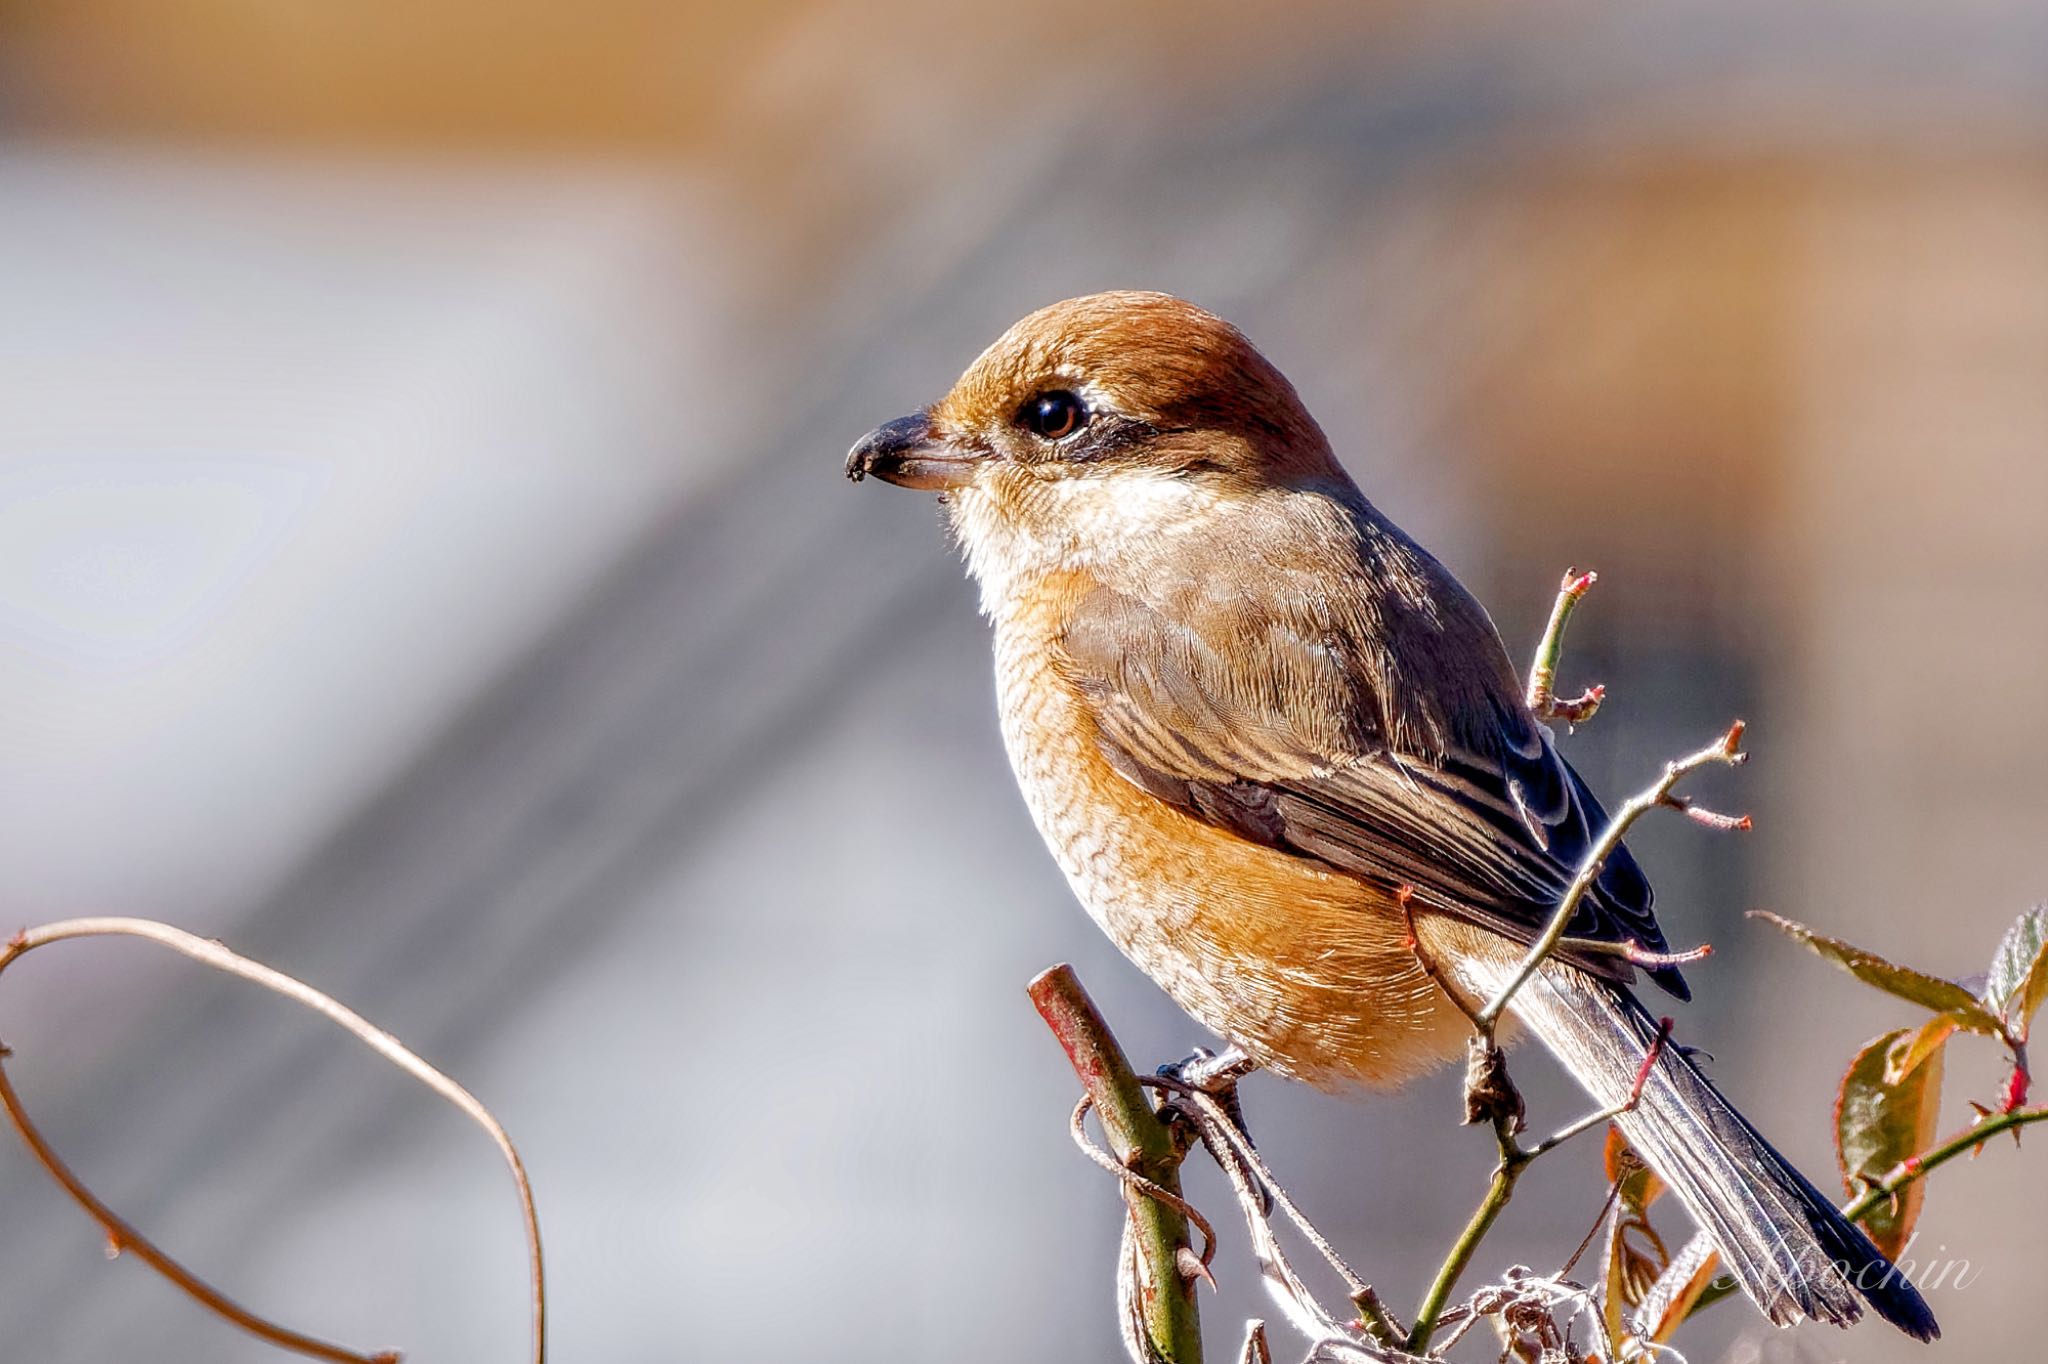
(1490,1095)
(1217,1074)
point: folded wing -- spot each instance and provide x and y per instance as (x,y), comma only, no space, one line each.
(1296,734)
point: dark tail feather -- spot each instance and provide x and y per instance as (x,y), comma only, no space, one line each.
(1786,1244)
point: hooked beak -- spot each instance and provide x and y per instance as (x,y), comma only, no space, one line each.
(905,453)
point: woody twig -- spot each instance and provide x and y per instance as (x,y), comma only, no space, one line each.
(1542,697)
(1490,1093)
(1158,1266)
(124,1238)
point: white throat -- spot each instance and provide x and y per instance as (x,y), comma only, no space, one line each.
(1016,528)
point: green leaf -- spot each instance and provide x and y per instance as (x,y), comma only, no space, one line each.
(1877,1125)
(1929,992)
(1917,1045)
(2019,972)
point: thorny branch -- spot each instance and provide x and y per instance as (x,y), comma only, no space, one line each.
(1157,1267)
(1971,1139)
(122,1237)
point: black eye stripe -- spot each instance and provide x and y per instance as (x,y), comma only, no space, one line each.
(1107,434)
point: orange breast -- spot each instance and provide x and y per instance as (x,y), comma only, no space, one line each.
(1307,969)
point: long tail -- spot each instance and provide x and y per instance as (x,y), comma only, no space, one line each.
(1785,1243)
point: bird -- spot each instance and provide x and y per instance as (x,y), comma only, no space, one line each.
(1284,760)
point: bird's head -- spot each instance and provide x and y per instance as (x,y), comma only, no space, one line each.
(1097,426)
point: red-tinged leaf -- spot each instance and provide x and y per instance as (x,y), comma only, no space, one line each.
(1877,1125)
(1617,1155)
(1917,1045)
(2019,972)
(1929,992)
(1636,1185)
(1633,1256)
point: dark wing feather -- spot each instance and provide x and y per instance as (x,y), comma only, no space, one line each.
(1289,747)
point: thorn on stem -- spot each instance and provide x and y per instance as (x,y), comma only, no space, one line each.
(1983,1115)
(1192,1267)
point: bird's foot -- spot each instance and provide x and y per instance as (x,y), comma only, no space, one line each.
(1216,1074)
(1212,1072)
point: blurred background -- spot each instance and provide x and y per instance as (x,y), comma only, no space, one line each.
(424,563)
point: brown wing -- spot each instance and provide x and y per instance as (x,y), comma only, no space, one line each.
(1283,729)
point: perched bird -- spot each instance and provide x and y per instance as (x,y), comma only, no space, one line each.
(1249,714)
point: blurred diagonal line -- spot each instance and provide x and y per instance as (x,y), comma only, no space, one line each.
(718,650)
(698,666)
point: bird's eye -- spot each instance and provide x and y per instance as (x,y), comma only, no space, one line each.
(1054,415)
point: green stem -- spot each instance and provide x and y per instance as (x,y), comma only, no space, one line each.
(1543,671)
(1905,1172)
(1142,1143)
(1379,1322)
(1920,1166)
(1513,1160)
